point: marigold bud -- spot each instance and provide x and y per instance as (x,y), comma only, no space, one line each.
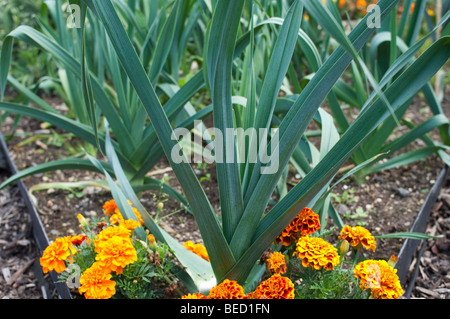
(83,222)
(152,241)
(392,261)
(343,249)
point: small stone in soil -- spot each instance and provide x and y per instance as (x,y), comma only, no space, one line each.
(402,192)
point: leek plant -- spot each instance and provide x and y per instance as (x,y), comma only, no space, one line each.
(394,37)
(236,239)
(88,76)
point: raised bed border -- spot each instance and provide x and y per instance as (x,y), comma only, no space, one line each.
(410,246)
(406,254)
(40,236)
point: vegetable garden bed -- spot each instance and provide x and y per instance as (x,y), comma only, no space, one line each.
(50,222)
(356,125)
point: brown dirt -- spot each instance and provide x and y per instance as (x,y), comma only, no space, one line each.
(18,250)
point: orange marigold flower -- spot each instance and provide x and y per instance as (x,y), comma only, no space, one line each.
(130,224)
(276,287)
(358,237)
(108,233)
(96,284)
(55,255)
(112,211)
(380,278)
(228,289)
(361,4)
(276,263)
(116,253)
(305,223)
(316,252)
(197,249)
(194,296)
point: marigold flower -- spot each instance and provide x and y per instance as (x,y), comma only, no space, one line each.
(78,239)
(194,296)
(96,284)
(197,249)
(108,233)
(228,289)
(116,253)
(112,211)
(358,237)
(55,255)
(130,224)
(305,223)
(276,263)
(361,4)
(316,252)
(380,278)
(276,287)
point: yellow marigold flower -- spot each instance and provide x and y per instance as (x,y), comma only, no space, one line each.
(55,255)
(194,296)
(108,233)
(358,237)
(228,289)
(276,263)
(276,287)
(316,252)
(305,223)
(197,249)
(380,278)
(96,284)
(116,253)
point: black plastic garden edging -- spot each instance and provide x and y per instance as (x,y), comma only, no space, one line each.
(39,233)
(410,246)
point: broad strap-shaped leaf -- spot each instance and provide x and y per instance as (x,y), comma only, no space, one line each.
(65,164)
(293,127)
(275,74)
(221,40)
(215,243)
